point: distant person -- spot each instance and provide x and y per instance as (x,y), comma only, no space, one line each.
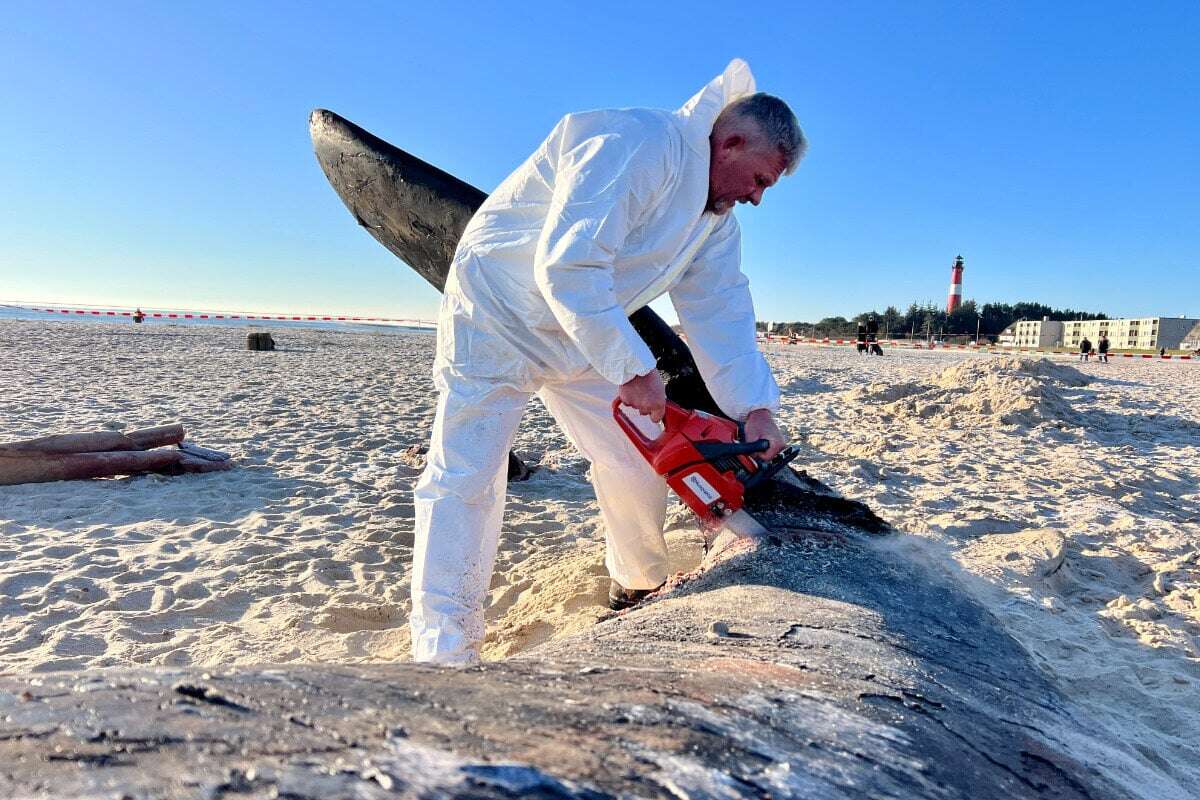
(1162,352)
(138,316)
(873,336)
(1102,348)
(861,339)
(1085,349)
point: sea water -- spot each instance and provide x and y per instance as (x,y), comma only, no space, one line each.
(15,312)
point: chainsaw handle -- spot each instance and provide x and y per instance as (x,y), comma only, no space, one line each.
(674,418)
(711,450)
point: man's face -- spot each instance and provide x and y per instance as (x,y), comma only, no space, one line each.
(739,171)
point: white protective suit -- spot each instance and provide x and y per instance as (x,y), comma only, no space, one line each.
(605,216)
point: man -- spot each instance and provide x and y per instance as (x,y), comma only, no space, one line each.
(1102,348)
(873,336)
(614,209)
(1085,349)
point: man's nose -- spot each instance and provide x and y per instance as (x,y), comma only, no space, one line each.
(756,196)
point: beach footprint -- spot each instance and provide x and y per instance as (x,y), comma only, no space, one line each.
(354,618)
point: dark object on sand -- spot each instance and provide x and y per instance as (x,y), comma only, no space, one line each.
(517,470)
(675,363)
(259,341)
(104,454)
(419,212)
(792,671)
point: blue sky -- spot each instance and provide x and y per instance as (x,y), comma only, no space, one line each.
(157,154)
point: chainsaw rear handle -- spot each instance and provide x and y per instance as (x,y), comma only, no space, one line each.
(674,419)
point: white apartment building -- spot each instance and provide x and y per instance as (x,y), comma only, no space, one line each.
(1144,333)
(1033,333)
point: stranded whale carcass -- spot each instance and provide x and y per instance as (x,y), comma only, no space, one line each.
(793,671)
(798,670)
(418,212)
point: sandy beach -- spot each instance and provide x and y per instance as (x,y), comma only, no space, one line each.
(1062,495)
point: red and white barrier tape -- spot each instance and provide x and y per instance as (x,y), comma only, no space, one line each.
(164,314)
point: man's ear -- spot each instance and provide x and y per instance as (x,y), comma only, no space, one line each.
(733,141)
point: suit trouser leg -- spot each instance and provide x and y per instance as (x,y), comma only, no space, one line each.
(632,496)
(459,504)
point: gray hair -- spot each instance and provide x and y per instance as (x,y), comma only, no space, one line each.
(775,121)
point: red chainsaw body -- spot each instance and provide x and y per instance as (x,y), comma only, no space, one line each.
(711,488)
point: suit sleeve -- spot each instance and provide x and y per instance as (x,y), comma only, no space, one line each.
(717,314)
(602,187)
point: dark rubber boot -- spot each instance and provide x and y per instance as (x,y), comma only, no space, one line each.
(620,598)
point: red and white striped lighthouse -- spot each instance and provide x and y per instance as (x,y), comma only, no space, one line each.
(954,299)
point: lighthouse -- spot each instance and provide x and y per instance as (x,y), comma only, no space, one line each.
(954,299)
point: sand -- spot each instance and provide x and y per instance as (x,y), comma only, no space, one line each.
(1063,495)
(302,553)
(1066,496)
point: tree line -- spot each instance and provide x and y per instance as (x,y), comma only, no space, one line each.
(930,320)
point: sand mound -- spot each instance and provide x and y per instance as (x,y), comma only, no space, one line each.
(1006,391)
(881,393)
(965,373)
(1020,558)
(566,592)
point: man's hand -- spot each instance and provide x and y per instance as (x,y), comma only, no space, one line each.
(646,394)
(761,425)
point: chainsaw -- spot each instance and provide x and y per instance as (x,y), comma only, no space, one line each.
(705,461)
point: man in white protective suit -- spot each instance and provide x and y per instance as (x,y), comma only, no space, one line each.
(615,208)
